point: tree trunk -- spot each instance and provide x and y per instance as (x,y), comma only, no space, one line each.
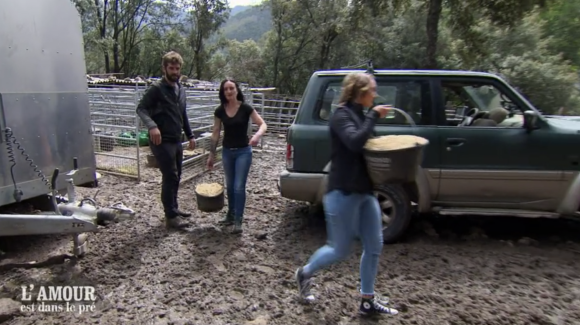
(433,16)
(102,17)
(278,52)
(116,32)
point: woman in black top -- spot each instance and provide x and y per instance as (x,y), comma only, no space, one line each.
(351,208)
(235,115)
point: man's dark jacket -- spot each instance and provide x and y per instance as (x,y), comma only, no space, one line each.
(161,107)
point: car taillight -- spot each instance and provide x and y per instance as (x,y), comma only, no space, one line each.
(289,156)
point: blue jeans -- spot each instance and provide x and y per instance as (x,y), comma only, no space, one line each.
(237,164)
(348,217)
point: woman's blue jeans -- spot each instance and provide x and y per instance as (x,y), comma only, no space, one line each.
(349,216)
(237,162)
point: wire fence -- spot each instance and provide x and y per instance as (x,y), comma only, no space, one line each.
(121,141)
(277,111)
(115,127)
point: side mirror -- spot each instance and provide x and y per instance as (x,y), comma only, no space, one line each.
(530,120)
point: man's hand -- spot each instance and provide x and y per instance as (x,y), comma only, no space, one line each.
(155,136)
(191,144)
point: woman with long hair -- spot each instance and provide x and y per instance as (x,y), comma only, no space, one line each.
(350,207)
(235,114)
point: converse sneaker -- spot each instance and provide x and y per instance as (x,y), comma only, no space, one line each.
(373,306)
(383,300)
(304,285)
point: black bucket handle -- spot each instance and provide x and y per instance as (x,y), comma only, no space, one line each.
(407,116)
(409,119)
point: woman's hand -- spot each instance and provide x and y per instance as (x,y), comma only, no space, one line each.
(383,110)
(255,140)
(210,161)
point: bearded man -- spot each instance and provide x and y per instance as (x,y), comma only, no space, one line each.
(163,111)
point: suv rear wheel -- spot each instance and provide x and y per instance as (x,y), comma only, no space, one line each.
(395,207)
(396,211)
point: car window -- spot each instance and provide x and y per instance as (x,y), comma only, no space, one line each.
(406,96)
(486,104)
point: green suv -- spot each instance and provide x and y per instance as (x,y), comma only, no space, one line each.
(490,151)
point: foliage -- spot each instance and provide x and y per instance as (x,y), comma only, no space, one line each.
(251,24)
(281,42)
(523,57)
(563,25)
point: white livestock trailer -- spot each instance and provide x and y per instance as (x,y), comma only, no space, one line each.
(45,121)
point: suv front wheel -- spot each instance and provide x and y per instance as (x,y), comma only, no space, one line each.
(396,211)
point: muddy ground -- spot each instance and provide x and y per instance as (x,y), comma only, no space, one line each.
(446,271)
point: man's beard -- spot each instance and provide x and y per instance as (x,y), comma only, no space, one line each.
(172,77)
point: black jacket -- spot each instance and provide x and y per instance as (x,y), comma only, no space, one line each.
(161,107)
(350,129)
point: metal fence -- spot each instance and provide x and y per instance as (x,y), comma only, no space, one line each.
(121,141)
(115,127)
(277,111)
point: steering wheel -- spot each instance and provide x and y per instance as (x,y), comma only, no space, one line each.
(507,104)
(469,117)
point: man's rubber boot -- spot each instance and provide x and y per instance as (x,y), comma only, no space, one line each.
(175,223)
(183,214)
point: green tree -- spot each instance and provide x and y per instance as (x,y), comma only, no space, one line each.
(461,16)
(522,56)
(244,61)
(563,25)
(203,20)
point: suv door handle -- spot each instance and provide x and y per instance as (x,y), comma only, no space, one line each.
(455,142)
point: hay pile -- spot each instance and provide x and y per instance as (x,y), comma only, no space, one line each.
(394,142)
(209,189)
